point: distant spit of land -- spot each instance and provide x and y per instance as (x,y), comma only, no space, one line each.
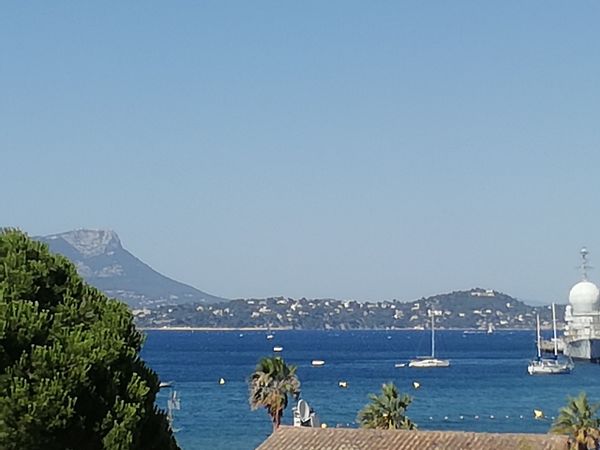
(289,328)
(211,329)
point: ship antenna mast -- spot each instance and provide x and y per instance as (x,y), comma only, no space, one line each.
(584,263)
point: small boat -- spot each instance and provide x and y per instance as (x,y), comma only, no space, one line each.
(277,349)
(317,362)
(270,336)
(221,380)
(343,384)
(400,365)
(548,366)
(427,362)
(430,362)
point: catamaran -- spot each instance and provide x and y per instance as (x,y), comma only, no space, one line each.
(548,366)
(425,362)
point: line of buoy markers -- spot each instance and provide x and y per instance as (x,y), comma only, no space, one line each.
(535,416)
(537,413)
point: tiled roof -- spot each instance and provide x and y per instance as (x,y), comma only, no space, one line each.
(305,438)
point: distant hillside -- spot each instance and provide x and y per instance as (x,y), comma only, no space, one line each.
(104,263)
(472,309)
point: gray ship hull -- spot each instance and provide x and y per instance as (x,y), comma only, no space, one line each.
(588,349)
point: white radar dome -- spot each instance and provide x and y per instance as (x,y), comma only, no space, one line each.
(584,298)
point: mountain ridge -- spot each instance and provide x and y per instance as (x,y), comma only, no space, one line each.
(103,262)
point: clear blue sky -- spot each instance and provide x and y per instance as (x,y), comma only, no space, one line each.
(367,150)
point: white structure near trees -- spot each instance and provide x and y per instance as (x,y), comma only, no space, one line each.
(582,316)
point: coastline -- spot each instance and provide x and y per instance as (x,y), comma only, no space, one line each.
(213,329)
(476,330)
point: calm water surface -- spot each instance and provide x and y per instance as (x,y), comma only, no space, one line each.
(487,377)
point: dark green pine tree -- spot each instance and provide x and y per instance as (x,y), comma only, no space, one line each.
(70,372)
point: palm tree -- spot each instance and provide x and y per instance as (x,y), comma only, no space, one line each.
(270,385)
(387,411)
(578,420)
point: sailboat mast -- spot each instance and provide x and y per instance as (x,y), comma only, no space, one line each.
(170,410)
(554,329)
(539,337)
(432,335)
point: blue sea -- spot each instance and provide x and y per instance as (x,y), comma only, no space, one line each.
(487,387)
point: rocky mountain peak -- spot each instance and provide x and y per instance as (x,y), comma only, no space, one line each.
(101,259)
(91,242)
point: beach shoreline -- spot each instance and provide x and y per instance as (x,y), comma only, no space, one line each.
(212,329)
(477,330)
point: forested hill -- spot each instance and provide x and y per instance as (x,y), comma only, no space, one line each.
(472,309)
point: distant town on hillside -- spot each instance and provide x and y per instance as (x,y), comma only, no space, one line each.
(473,309)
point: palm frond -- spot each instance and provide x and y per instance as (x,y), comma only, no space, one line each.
(387,410)
(270,384)
(578,420)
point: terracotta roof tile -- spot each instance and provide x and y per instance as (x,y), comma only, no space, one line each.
(304,438)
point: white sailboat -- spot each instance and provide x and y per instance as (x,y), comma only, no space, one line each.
(426,362)
(548,366)
(173,404)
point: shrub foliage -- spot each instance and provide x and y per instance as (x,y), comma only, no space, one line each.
(70,372)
